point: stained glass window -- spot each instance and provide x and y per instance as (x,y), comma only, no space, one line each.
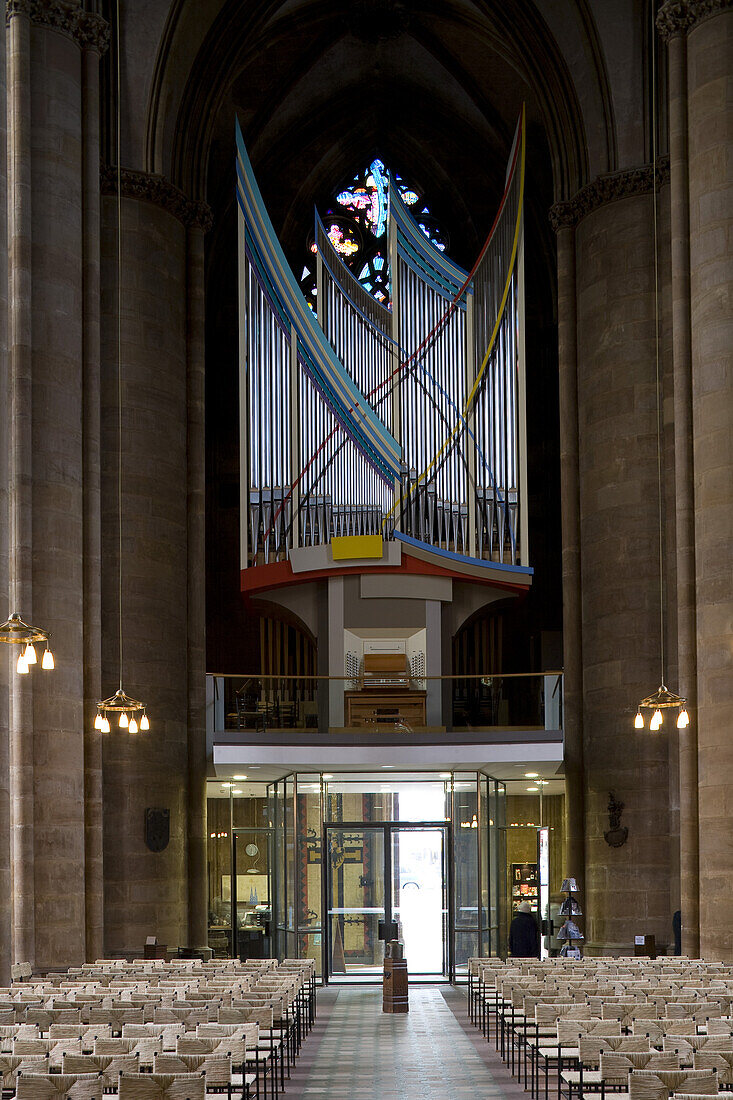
(356,222)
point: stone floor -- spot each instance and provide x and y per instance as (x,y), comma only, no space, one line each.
(356,1052)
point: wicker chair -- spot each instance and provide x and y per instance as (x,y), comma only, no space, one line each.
(162,1086)
(722,1061)
(11,1066)
(58,1086)
(217,1068)
(109,1067)
(658,1084)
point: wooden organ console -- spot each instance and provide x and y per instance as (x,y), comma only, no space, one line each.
(386,697)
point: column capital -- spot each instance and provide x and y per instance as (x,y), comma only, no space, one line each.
(151,187)
(90,31)
(608,188)
(678,17)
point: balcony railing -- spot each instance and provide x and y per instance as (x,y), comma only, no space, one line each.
(510,701)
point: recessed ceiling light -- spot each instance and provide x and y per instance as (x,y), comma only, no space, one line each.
(445,775)
(531,775)
(387,765)
(239,777)
(532,788)
(327,775)
(237,790)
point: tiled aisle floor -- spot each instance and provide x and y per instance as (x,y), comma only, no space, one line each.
(367,1055)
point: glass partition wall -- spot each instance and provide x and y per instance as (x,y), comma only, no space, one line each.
(330,867)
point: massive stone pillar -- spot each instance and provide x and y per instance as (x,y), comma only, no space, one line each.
(146,890)
(6,659)
(196,565)
(626,887)
(710,130)
(571,586)
(20,470)
(684,486)
(46,46)
(93,841)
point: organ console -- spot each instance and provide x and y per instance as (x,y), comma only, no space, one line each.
(386,698)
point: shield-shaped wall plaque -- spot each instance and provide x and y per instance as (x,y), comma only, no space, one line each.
(157,828)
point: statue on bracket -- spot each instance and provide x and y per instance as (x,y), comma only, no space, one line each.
(617,834)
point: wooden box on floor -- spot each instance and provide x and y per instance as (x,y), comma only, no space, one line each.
(394,998)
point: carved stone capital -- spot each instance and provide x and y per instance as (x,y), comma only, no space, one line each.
(157,189)
(680,16)
(605,189)
(90,31)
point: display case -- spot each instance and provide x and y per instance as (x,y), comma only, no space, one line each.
(525,886)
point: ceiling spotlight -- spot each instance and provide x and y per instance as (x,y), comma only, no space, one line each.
(327,775)
(239,777)
(444,775)
(531,775)
(532,788)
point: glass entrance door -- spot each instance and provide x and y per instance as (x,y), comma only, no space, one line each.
(420,898)
(384,880)
(356,886)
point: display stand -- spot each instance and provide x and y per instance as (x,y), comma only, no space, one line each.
(569,932)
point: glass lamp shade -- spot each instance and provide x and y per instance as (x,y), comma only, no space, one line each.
(144,722)
(30,654)
(124,720)
(133,725)
(47,661)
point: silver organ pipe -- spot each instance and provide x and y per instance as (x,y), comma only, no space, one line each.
(460,439)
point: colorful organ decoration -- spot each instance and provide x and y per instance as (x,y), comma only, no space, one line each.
(397,410)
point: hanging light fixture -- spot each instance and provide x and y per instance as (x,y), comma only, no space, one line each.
(15,632)
(122,704)
(662,699)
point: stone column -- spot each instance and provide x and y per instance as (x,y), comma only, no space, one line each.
(93,824)
(57,310)
(146,890)
(196,458)
(570,521)
(21,525)
(626,887)
(710,130)
(6,658)
(684,489)
(47,759)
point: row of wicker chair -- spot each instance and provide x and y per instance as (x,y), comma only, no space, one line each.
(599,1022)
(162,1032)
